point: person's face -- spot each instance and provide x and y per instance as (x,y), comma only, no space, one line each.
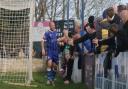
(88,29)
(52,26)
(123,15)
(110,14)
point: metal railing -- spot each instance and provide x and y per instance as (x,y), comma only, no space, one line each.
(112,82)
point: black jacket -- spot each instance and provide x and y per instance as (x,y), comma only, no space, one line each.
(85,37)
(122,38)
(119,41)
(115,20)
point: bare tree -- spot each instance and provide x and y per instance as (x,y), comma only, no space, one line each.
(40,10)
(77,8)
(56,9)
(64,9)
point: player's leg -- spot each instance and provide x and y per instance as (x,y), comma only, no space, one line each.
(49,70)
(63,67)
(55,68)
(55,63)
(67,78)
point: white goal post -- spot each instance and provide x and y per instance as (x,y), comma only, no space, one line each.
(16,18)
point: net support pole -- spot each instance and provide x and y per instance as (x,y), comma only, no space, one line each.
(30,76)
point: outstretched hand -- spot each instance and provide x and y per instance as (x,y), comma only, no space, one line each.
(71,42)
(95,41)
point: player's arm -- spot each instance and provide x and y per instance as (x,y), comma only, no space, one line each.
(43,45)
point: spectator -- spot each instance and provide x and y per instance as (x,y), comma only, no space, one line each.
(120,38)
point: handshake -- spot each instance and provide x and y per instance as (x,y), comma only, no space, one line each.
(96,42)
(78,39)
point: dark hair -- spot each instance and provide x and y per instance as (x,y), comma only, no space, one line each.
(90,22)
(110,9)
(110,12)
(122,7)
(91,19)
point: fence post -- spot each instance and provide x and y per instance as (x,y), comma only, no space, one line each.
(126,82)
(95,83)
(103,80)
(113,79)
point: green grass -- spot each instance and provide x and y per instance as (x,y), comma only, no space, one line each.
(18,77)
(40,81)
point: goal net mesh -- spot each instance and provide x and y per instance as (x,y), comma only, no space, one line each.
(15,40)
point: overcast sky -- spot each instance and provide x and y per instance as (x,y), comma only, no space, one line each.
(124,1)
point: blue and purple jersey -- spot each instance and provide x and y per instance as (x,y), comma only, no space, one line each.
(51,40)
(51,45)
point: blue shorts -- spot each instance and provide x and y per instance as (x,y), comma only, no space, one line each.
(52,55)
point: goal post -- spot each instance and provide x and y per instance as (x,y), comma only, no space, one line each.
(30,78)
(16,18)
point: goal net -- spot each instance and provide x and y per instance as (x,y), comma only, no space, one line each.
(15,40)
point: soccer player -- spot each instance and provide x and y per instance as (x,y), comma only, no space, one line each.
(50,37)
